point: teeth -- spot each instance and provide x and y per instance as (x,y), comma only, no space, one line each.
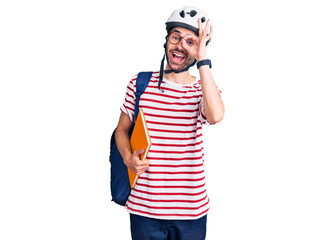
(177,55)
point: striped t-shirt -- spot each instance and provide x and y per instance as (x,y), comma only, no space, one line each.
(173,187)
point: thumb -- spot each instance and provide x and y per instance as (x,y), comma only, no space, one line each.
(139,152)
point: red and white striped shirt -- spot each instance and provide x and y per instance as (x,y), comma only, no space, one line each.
(173,187)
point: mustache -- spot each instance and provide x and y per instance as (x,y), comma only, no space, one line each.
(179,50)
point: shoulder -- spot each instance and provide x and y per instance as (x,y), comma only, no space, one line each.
(154,76)
(132,85)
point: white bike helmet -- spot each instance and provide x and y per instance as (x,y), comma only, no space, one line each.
(187,17)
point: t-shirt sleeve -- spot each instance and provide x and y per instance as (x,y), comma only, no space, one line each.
(129,103)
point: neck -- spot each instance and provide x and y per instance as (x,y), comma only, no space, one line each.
(179,78)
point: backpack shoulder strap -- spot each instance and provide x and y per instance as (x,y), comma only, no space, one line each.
(142,81)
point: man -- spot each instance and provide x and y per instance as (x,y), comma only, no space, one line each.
(169,200)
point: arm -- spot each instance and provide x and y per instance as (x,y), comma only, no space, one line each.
(131,160)
(213,104)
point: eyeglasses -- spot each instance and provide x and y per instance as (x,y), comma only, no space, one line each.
(175,38)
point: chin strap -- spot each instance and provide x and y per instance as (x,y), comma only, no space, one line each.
(161,74)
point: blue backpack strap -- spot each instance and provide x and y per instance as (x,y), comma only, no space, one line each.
(142,81)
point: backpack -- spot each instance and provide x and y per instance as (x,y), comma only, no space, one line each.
(119,180)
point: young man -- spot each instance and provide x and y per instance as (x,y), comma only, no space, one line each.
(169,200)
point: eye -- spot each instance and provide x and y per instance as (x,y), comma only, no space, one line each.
(190,42)
(175,37)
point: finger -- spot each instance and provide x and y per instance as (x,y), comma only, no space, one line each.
(200,26)
(207,27)
(141,163)
(210,33)
(141,169)
(140,172)
(145,163)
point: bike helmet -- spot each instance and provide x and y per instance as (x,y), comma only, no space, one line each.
(186,17)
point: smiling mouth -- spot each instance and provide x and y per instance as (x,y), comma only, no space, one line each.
(178,57)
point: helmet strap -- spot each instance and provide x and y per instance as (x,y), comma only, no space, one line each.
(161,73)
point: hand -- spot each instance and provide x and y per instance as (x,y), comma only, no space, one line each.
(199,50)
(135,164)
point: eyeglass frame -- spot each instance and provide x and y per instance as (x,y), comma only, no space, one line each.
(180,38)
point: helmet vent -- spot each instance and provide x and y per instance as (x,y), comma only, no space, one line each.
(192,13)
(203,19)
(182,14)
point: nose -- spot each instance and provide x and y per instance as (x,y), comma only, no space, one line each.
(183,42)
(180,45)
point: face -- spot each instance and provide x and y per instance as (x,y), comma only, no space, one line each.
(180,40)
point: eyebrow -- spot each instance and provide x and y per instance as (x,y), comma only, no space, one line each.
(176,31)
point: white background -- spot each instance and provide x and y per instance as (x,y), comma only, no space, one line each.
(64,67)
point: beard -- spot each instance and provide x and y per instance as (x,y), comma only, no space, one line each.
(178,59)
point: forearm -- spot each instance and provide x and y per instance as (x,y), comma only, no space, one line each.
(123,143)
(213,104)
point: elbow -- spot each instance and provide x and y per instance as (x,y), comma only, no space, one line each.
(216,118)
(215,115)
